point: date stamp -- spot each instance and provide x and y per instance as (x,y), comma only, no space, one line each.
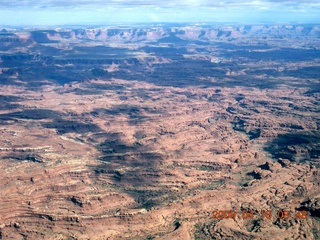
(264,214)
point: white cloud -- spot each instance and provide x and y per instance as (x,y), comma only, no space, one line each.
(75,11)
(159,3)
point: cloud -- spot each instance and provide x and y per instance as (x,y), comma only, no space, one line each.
(131,11)
(272,4)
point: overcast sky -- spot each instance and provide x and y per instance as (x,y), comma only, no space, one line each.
(57,12)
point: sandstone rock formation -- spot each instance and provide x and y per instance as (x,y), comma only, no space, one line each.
(146,139)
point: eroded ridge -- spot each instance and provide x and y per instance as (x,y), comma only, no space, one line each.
(100,154)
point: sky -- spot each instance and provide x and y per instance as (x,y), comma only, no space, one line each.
(64,12)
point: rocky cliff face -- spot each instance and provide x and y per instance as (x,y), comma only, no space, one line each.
(225,33)
(153,34)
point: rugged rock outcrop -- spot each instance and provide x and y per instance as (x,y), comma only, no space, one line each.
(144,133)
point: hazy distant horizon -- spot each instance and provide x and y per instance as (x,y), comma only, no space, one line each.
(146,24)
(97,12)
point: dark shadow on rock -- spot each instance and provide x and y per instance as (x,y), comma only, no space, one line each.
(23,156)
(57,122)
(100,86)
(8,102)
(34,114)
(79,91)
(312,206)
(8,106)
(255,175)
(41,36)
(243,126)
(10,98)
(83,63)
(135,114)
(66,126)
(132,167)
(297,146)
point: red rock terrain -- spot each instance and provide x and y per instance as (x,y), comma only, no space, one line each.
(176,162)
(117,158)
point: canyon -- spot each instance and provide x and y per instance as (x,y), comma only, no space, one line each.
(142,132)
